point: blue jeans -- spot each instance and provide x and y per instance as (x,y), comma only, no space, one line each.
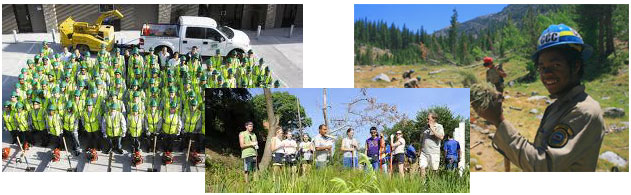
(452,163)
(349,162)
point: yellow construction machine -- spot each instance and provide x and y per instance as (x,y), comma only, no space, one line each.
(85,36)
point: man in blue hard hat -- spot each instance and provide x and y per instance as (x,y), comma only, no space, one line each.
(572,129)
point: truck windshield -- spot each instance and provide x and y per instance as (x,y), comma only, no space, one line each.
(226,31)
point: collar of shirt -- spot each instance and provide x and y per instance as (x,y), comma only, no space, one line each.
(570,94)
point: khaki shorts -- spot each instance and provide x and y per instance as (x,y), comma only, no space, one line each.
(433,160)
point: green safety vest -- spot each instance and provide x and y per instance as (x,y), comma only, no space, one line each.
(9,121)
(135,125)
(113,127)
(153,119)
(170,124)
(54,125)
(191,121)
(22,122)
(91,122)
(38,119)
(69,120)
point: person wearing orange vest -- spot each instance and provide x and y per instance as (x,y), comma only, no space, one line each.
(113,127)
(171,128)
(70,126)
(91,120)
(192,124)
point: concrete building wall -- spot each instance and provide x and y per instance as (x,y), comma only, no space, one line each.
(270,19)
(164,13)
(183,10)
(50,17)
(8,19)
(45,18)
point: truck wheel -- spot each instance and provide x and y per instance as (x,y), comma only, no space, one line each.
(237,52)
(159,49)
(83,48)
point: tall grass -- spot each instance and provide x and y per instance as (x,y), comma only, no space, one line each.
(333,179)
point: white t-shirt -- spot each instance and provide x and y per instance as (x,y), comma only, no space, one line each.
(306,146)
(278,145)
(290,146)
(400,148)
(347,143)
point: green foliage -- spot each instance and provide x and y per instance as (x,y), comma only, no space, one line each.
(333,179)
(284,107)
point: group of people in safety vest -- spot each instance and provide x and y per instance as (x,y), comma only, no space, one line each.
(99,103)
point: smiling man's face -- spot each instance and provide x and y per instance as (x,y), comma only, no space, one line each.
(554,71)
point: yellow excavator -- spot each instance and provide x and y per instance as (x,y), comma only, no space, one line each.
(85,36)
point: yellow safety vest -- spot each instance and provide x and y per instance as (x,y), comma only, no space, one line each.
(170,124)
(91,122)
(22,122)
(135,125)
(113,127)
(38,119)
(9,121)
(153,119)
(69,120)
(191,121)
(54,125)
(203,122)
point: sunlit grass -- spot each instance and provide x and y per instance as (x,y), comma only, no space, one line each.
(229,178)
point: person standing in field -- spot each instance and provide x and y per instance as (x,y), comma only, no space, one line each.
(290,148)
(431,138)
(323,147)
(306,149)
(452,152)
(277,150)
(399,153)
(372,150)
(249,147)
(572,129)
(494,74)
(349,147)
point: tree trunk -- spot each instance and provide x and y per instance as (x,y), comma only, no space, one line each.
(609,29)
(271,132)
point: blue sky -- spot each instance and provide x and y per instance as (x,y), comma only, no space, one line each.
(408,101)
(431,16)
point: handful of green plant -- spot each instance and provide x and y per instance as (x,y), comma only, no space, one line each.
(482,95)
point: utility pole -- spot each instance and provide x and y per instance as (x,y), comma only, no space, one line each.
(326,122)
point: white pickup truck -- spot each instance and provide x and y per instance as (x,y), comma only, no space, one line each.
(190,31)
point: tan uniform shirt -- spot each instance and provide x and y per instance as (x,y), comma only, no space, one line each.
(568,139)
(493,75)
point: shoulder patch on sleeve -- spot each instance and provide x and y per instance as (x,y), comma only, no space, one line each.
(560,135)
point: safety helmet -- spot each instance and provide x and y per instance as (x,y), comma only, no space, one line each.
(562,35)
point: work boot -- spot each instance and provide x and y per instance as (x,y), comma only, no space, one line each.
(118,151)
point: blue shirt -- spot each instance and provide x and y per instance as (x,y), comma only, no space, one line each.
(451,148)
(410,152)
